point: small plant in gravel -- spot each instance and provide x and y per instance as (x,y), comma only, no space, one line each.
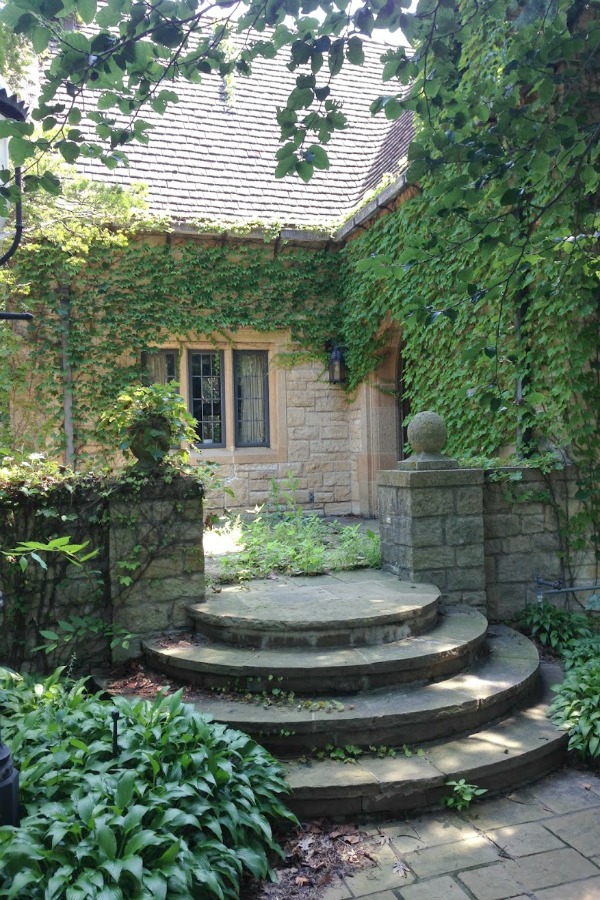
(462,794)
(183,810)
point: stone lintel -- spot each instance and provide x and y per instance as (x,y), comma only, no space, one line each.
(404,478)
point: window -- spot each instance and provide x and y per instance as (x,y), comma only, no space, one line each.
(159,366)
(227,391)
(251,398)
(206,395)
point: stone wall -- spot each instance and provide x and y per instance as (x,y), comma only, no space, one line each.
(523,537)
(432,531)
(148,567)
(163,539)
(482,538)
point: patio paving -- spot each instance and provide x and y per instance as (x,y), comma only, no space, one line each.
(541,842)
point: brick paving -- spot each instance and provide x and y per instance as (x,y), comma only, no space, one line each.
(541,842)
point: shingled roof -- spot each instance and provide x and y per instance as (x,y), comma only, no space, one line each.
(212,156)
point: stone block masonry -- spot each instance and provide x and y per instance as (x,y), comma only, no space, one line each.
(310,438)
(158,541)
(524,515)
(481,537)
(146,533)
(431,525)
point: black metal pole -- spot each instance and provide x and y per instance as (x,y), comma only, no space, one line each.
(9,788)
(115,718)
(22,317)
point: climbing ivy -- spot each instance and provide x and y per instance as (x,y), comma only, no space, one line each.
(102,295)
(490,268)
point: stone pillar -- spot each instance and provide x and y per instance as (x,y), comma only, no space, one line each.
(157,559)
(431,518)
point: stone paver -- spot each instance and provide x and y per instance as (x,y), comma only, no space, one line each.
(430,831)
(444,888)
(495,882)
(541,842)
(510,810)
(580,830)
(579,890)
(336,891)
(523,840)
(452,857)
(376,879)
(566,791)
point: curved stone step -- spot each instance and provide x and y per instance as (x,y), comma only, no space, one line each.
(519,749)
(370,607)
(448,648)
(505,677)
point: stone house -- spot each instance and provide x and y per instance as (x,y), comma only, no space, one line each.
(209,168)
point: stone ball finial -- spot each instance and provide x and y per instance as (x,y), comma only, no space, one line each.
(427,433)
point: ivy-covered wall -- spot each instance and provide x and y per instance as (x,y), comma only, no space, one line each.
(144,532)
(93,317)
(463,351)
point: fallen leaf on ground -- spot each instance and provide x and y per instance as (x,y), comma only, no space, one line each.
(400,869)
(383,839)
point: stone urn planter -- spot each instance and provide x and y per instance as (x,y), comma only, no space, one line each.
(150,441)
(151,422)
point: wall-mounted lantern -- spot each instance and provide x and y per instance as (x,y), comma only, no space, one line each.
(337,366)
(10,108)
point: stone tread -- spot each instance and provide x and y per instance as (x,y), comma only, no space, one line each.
(321,603)
(460,630)
(520,748)
(506,676)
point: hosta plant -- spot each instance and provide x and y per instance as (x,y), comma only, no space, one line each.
(576,707)
(553,627)
(182,810)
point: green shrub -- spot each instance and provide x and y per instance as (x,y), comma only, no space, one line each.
(184,810)
(577,707)
(555,628)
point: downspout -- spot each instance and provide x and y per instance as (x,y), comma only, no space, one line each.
(524,435)
(64,309)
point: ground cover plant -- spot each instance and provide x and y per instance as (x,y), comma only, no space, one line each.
(575,639)
(182,809)
(280,537)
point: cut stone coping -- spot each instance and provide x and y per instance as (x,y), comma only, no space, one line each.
(517,750)
(445,650)
(324,610)
(506,677)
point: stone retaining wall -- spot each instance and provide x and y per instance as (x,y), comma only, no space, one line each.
(523,537)
(165,544)
(481,537)
(149,566)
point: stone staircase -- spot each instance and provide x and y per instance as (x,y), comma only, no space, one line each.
(361,659)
